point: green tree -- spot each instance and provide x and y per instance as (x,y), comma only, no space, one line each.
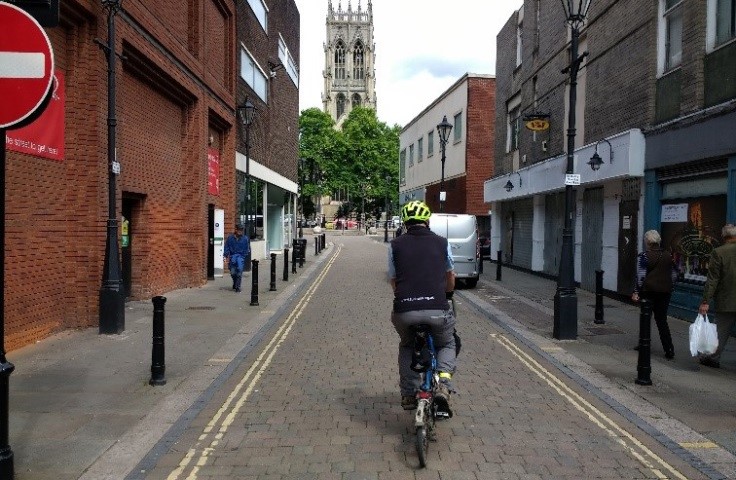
(357,159)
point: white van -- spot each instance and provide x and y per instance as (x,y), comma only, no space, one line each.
(461,231)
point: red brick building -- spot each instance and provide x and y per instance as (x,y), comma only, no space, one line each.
(469,106)
(175,90)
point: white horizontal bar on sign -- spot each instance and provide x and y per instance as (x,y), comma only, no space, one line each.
(22,65)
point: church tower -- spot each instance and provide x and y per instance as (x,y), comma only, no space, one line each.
(349,73)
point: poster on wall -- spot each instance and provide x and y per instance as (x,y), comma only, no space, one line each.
(213,171)
(691,232)
(45,136)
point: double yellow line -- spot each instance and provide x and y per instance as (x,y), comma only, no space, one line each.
(219,424)
(634,447)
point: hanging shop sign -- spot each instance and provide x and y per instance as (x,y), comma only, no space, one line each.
(537,124)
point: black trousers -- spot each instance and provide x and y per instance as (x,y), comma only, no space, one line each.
(660,304)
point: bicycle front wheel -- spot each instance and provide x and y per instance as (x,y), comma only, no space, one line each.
(422,442)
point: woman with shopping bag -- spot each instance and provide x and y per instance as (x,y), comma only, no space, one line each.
(655,276)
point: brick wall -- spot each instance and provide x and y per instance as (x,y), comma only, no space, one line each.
(275,130)
(479,156)
(56,212)
(621,71)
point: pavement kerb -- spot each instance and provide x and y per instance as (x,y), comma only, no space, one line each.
(138,449)
(716,463)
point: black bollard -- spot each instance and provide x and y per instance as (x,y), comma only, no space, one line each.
(316,246)
(254,288)
(294,254)
(302,251)
(324,241)
(286,264)
(480,264)
(499,256)
(644,365)
(599,297)
(158,361)
(272,286)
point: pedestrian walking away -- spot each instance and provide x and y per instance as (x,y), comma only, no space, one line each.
(655,276)
(237,249)
(721,287)
(421,273)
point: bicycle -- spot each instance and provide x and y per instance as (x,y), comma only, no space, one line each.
(425,362)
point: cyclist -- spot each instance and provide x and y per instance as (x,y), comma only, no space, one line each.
(421,273)
(237,249)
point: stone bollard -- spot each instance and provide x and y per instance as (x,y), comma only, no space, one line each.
(254,288)
(286,264)
(272,285)
(499,256)
(158,361)
(644,365)
(599,297)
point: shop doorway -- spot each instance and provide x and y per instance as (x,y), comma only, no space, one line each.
(211,242)
(130,214)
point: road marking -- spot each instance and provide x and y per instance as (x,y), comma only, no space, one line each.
(633,446)
(22,65)
(235,401)
(690,445)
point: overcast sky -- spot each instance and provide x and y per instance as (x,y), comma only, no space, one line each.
(422,47)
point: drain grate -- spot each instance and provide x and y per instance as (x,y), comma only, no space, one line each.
(604,331)
(201,308)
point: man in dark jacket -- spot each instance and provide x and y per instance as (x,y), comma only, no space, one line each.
(421,273)
(237,249)
(721,286)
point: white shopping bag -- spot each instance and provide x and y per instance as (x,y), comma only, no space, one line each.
(703,336)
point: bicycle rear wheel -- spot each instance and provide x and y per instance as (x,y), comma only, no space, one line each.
(422,443)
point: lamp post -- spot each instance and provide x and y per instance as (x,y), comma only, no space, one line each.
(385,225)
(565,299)
(112,297)
(443,129)
(247,113)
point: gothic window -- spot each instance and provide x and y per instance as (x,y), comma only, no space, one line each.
(356,100)
(358,61)
(340,60)
(340,104)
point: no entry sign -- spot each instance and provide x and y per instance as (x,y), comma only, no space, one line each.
(26,65)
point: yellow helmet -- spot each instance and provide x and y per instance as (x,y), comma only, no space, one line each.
(415,210)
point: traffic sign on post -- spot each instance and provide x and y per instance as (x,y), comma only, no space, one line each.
(26,65)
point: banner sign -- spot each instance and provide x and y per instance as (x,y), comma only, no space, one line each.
(45,136)
(213,171)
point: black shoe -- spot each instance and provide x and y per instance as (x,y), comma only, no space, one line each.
(709,362)
(669,355)
(408,402)
(636,348)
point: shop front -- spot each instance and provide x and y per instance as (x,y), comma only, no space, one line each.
(690,195)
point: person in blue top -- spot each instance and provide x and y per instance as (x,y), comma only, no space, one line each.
(237,249)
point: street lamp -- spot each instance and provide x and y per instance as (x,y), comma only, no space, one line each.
(385,225)
(596,161)
(247,113)
(443,129)
(112,297)
(565,299)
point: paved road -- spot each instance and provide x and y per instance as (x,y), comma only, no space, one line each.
(318,398)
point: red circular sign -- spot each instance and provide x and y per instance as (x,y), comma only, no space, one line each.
(26,65)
